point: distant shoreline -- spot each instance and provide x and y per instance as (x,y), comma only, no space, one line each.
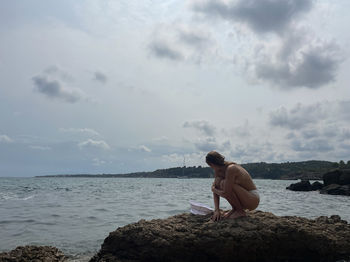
(308,170)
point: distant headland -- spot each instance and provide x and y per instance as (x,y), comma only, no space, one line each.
(311,170)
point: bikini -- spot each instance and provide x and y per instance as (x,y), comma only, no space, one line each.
(255,192)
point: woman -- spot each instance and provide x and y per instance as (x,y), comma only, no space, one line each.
(233,183)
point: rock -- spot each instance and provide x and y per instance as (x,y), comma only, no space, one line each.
(33,253)
(335,189)
(340,177)
(316,186)
(344,178)
(260,236)
(303,185)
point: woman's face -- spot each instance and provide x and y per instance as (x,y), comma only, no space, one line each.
(215,167)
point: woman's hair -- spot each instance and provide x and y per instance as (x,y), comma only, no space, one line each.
(217,159)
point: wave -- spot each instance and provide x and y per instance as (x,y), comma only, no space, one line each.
(12,196)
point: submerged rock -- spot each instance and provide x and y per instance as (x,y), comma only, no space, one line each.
(33,253)
(303,185)
(316,185)
(260,236)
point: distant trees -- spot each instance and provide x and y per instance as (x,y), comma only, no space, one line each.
(341,164)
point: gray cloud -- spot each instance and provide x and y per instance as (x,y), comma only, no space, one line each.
(194,38)
(202,126)
(301,60)
(310,133)
(56,71)
(161,49)
(316,145)
(302,116)
(206,144)
(100,77)
(54,89)
(181,42)
(261,15)
(312,68)
(298,117)
(316,130)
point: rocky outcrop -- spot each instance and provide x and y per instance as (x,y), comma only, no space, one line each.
(339,177)
(334,189)
(260,236)
(337,182)
(305,185)
(33,253)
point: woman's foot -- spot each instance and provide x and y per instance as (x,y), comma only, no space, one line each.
(237,214)
(227,214)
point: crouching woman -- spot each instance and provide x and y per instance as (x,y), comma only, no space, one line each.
(233,183)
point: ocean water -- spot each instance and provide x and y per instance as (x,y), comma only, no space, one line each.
(76,214)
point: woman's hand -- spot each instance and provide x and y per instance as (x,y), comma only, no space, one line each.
(217,191)
(216,216)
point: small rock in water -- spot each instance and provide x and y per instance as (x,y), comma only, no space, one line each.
(33,253)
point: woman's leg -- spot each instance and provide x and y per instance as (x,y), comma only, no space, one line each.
(240,199)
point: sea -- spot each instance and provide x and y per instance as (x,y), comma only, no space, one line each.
(77,214)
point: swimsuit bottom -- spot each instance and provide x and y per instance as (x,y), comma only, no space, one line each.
(255,192)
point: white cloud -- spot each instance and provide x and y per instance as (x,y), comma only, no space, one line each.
(88,131)
(90,143)
(144,148)
(41,148)
(5,139)
(98,162)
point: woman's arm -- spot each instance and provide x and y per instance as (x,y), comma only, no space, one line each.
(216,201)
(216,216)
(217,192)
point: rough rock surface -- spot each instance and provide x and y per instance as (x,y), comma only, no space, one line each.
(334,189)
(303,185)
(33,253)
(260,236)
(340,177)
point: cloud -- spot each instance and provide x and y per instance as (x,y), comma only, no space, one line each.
(98,162)
(202,126)
(261,16)
(310,65)
(315,145)
(53,89)
(88,131)
(144,148)
(41,148)
(161,49)
(286,53)
(298,117)
(53,84)
(206,144)
(57,72)
(5,139)
(319,130)
(100,77)
(90,143)
(178,42)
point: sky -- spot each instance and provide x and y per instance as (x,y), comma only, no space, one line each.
(126,86)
